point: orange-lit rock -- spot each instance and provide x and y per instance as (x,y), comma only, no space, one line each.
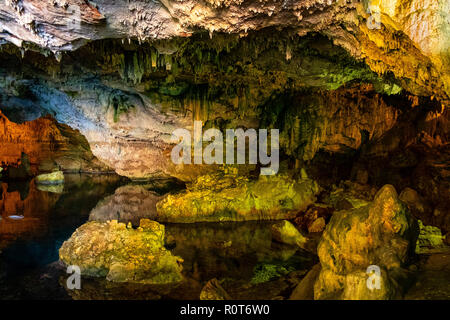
(47,145)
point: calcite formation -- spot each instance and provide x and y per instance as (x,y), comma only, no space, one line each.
(227,197)
(122,254)
(381,234)
(408,38)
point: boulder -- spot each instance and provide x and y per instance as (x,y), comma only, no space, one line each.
(122,254)
(56,177)
(430,238)
(214,291)
(314,219)
(363,250)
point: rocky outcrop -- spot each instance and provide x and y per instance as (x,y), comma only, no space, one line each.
(381,234)
(409,39)
(430,239)
(226,197)
(122,254)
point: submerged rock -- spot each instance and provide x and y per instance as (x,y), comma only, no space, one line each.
(226,197)
(122,254)
(381,234)
(56,177)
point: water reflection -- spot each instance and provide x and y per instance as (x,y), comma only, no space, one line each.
(129,203)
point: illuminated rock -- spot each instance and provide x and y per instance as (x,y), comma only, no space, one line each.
(226,197)
(408,38)
(382,234)
(122,254)
(430,238)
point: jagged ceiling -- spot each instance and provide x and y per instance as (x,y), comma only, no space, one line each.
(410,38)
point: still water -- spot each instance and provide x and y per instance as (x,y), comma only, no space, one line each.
(35,222)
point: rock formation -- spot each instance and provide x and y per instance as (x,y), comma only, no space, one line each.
(56,177)
(409,39)
(126,97)
(122,254)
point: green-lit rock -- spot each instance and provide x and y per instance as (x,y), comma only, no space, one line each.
(382,234)
(122,254)
(228,197)
(56,177)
